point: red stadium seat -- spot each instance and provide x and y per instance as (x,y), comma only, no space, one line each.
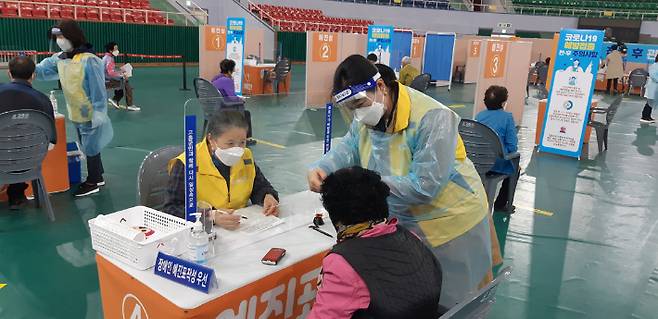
(67,12)
(40,11)
(55,12)
(116,15)
(10,9)
(93,14)
(138,17)
(27,9)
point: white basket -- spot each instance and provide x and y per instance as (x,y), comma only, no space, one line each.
(171,235)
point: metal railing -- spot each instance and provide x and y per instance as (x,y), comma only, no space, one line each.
(105,14)
(517,9)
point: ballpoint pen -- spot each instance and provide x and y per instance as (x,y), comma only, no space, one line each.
(317,229)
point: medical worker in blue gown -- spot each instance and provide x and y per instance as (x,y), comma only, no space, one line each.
(82,76)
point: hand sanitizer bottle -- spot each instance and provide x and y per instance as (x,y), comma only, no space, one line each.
(53,101)
(198,246)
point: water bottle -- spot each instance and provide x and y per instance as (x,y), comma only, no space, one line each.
(198,246)
(53,101)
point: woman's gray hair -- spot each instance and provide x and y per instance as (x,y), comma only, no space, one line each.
(222,121)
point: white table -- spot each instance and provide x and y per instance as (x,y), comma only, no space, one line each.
(245,284)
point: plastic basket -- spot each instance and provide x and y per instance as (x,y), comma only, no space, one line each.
(171,235)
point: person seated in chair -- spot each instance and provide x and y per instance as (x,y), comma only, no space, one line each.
(117,79)
(19,95)
(502,122)
(227,176)
(408,72)
(223,81)
(378,268)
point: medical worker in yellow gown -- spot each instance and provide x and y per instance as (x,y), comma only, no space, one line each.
(413,142)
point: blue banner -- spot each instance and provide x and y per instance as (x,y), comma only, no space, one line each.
(190,167)
(235,31)
(637,53)
(401,48)
(574,75)
(327,128)
(380,42)
(186,273)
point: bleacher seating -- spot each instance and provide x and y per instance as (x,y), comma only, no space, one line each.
(427,4)
(623,9)
(119,11)
(301,20)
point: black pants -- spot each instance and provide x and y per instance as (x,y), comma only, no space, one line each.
(610,81)
(16,191)
(94,169)
(501,200)
(646,112)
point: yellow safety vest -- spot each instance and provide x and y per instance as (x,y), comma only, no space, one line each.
(455,209)
(72,74)
(211,186)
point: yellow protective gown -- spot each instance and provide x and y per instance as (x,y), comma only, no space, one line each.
(212,187)
(435,190)
(83,84)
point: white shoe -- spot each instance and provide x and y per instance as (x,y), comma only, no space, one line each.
(648,121)
(113,103)
(133,108)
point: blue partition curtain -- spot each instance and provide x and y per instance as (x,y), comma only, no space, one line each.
(438,56)
(401,48)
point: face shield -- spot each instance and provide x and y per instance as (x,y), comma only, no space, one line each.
(353,97)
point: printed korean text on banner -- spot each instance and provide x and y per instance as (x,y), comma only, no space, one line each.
(474,50)
(190,167)
(380,42)
(402,42)
(567,111)
(494,63)
(235,31)
(215,38)
(327,128)
(637,53)
(184,272)
(325,47)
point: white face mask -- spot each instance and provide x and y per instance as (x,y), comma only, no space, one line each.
(229,156)
(64,44)
(370,115)
(115,53)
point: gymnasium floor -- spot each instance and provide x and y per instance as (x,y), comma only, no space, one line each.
(583,242)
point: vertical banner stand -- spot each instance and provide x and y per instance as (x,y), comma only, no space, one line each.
(574,75)
(327,128)
(235,34)
(190,167)
(380,42)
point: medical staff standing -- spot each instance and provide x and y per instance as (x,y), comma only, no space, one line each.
(412,141)
(82,76)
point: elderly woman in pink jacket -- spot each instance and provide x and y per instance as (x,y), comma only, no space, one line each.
(378,269)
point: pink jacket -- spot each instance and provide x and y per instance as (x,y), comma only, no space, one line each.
(110,71)
(342,290)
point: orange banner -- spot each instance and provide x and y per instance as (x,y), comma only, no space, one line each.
(474,50)
(325,47)
(494,66)
(215,38)
(417,46)
(287,293)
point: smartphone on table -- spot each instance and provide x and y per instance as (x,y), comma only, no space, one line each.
(273,256)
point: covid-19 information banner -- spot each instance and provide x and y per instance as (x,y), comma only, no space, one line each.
(567,112)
